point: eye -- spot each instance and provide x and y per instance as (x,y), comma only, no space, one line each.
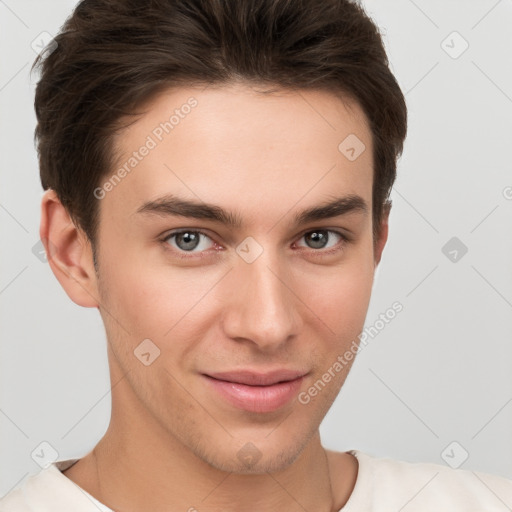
(321,239)
(195,242)
(187,240)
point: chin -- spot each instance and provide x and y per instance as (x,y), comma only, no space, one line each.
(260,456)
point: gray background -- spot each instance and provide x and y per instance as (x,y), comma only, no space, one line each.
(438,373)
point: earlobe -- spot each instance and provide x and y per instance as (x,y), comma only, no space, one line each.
(68,251)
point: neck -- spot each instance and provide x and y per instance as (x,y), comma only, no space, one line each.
(142,475)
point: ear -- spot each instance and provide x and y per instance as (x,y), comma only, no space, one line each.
(68,251)
(384,228)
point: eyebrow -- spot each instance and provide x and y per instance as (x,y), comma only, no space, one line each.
(170,205)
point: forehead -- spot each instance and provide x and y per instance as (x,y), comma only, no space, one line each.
(236,146)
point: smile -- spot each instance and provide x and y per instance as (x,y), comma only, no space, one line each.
(256,392)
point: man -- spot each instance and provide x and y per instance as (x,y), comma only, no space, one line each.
(217,176)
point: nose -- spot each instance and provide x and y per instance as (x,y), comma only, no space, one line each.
(261,308)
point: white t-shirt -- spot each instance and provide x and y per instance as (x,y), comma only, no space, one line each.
(382,485)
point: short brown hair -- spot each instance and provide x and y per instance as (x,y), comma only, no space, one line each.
(113,55)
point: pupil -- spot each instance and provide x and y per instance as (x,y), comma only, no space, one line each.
(318,239)
(190,239)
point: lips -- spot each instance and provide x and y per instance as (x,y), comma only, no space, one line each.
(256,392)
(257,379)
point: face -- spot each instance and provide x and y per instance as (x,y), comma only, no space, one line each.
(225,325)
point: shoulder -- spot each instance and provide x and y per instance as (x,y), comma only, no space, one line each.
(422,486)
(48,489)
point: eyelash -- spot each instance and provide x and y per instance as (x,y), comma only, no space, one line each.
(181,254)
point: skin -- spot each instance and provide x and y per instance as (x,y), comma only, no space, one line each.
(172,442)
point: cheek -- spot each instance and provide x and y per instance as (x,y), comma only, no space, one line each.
(154,299)
(340,296)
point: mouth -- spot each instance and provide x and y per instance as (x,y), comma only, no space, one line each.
(256,392)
